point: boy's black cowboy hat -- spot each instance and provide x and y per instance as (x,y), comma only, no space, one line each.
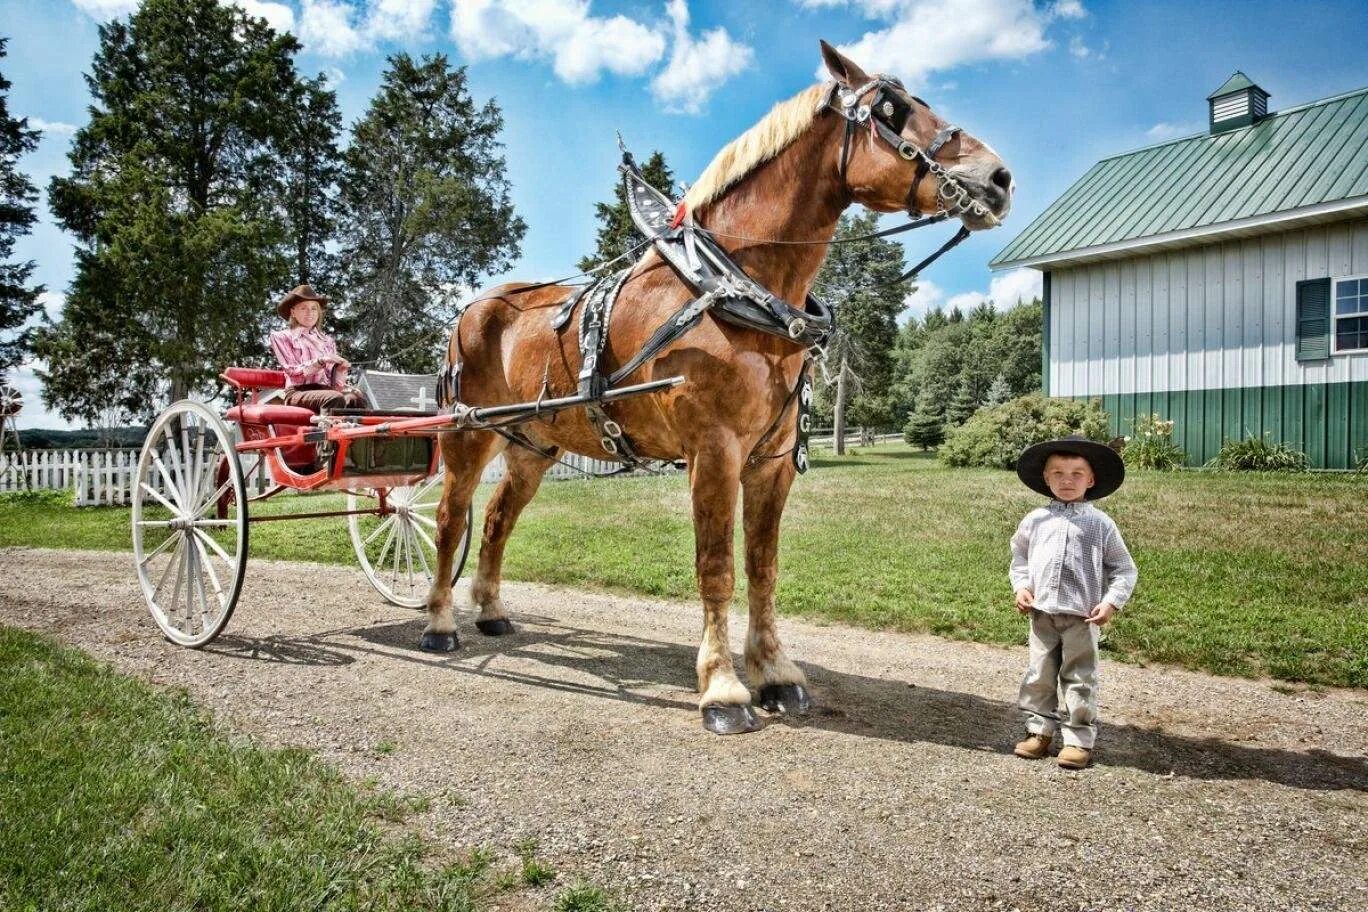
(297,294)
(1108,469)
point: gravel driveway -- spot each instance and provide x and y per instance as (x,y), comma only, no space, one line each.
(899,793)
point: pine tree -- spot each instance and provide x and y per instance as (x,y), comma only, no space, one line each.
(308,178)
(962,406)
(617,234)
(425,209)
(18,299)
(999,392)
(174,200)
(856,279)
(926,426)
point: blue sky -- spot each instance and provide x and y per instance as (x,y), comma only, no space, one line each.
(1053,86)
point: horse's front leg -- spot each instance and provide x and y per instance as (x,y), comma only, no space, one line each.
(714,480)
(465,455)
(781,684)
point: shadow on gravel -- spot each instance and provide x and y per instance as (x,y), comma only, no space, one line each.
(623,667)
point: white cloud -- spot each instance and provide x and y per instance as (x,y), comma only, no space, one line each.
(106,9)
(51,127)
(327,27)
(580,46)
(396,20)
(1068,9)
(1162,131)
(926,296)
(34,414)
(697,68)
(1005,291)
(54,302)
(278,15)
(920,37)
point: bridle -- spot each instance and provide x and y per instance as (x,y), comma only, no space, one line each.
(887,114)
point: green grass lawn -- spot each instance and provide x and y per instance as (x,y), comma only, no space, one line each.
(1240,574)
(117,795)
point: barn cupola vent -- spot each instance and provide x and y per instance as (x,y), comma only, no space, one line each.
(1237,103)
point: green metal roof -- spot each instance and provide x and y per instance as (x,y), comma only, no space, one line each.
(1236,82)
(1313,154)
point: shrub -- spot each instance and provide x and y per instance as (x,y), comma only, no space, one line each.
(1151,445)
(995,436)
(1257,454)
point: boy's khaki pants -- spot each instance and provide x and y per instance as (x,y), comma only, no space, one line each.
(1063,661)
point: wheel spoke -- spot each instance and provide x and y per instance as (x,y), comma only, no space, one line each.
(218,549)
(408,553)
(213,498)
(422,556)
(389,540)
(213,575)
(174,561)
(430,543)
(203,466)
(182,575)
(157,550)
(389,521)
(187,469)
(425,520)
(164,502)
(178,469)
(171,487)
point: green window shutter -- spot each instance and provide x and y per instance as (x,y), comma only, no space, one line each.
(1313,320)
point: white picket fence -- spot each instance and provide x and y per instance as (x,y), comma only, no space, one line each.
(106,476)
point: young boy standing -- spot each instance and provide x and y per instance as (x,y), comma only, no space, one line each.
(1071,572)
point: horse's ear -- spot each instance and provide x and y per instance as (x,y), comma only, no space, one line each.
(842,68)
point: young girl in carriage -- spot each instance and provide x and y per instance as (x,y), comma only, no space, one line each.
(315,374)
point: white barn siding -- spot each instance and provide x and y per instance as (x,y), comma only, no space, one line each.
(1214,317)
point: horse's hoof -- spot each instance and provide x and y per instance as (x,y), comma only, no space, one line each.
(439,642)
(789,699)
(730,719)
(495,627)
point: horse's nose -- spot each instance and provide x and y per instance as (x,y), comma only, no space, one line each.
(1002,179)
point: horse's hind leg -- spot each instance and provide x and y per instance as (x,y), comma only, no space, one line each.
(781,684)
(519,485)
(465,455)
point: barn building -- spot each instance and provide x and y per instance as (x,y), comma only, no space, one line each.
(1220,280)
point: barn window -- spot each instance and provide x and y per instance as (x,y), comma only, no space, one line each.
(1351,314)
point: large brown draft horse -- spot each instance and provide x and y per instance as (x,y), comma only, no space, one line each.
(780,181)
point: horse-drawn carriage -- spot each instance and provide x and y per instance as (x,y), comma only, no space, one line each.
(191,503)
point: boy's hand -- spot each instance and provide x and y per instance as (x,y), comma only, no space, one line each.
(1025,600)
(1102,613)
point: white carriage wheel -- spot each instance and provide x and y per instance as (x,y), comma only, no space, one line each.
(190,523)
(398,552)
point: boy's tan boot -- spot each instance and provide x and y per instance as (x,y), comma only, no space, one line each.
(1033,748)
(1075,758)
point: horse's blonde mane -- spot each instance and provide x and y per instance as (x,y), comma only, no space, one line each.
(770,136)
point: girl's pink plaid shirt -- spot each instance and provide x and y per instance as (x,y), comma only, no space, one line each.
(296,347)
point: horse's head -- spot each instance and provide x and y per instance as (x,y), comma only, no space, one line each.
(897,154)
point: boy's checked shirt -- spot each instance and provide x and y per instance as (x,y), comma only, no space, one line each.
(1071,556)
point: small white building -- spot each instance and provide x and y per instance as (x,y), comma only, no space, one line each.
(1219,280)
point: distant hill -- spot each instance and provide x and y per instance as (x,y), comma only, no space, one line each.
(40,439)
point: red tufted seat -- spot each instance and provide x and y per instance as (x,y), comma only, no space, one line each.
(283,419)
(255,377)
(270,414)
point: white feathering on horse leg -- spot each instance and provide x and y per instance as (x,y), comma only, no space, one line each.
(717,680)
(766,662)
(484,596)
(441,619)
